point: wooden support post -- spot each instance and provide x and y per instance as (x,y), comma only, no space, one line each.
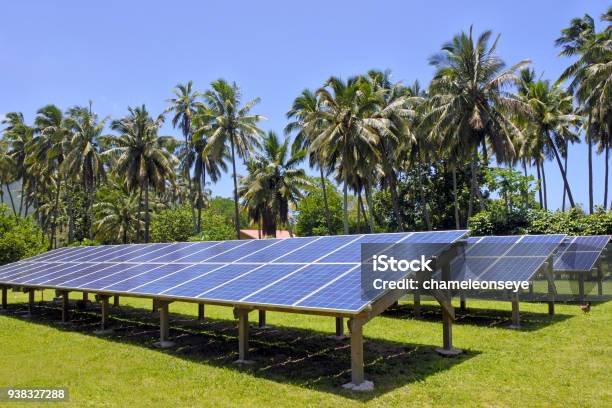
(462,305)
(358,382)
(200,311)
(262,319)
(164,324)
(339,327)
(243,335)
(516,319)
(599,280)
(447,319)
(104,321)
(65,307)
(581,286)
(154,306)
(4,298)
(31,302)
(85,297)
(417,304)
(116,301)
(551,286)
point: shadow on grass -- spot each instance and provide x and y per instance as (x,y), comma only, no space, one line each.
(305,358)
(530,321)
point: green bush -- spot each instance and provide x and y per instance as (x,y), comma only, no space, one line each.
(311,219)
(172,225)
(536,221)
(215,227)
(85,242)
(19,237)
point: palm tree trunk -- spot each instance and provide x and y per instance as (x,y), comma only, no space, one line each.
(565,189)
(545,188)
(422,198)
(200,200)
(368,193)
(526,192)
(537,163)
(457,223)
(139,219)
(394,198)
(236,211)
(563,174)
(8,188)
(147,215)
(358,229)
(70,215)
(476,184)
(605,203)
(325,203)
(472,190)
(22,196)
(590,144)
(55,213)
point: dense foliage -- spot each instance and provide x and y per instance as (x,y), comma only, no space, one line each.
(19,237)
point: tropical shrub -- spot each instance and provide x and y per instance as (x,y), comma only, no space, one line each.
(19,237)
(172,225)
(215,227)
(311,218)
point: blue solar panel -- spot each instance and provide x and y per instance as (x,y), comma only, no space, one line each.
(296,286)
(240,288)
(580,253)
(345,293)
(503,258)
(319,272)
(210,280)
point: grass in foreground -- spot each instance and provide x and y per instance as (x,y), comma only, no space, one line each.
(563,361)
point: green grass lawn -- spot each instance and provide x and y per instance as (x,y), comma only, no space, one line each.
(563,361)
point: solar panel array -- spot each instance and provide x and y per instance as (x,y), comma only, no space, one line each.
(580,253)
(503,258)
(301,273)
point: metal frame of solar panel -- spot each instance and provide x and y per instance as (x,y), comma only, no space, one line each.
(313,275)
(578,255)
(507,258)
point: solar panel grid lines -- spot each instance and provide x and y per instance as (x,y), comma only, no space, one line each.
(15,267)
(127,279)
(53,270)
(239,276)
(21,272)
(514,258)
(580,253)
(50,253)
(78,251)
(497,260)
(111,265)
(299,269)
(206,273)
(331,282)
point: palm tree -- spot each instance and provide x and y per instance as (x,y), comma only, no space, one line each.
(19,135)
(49,152)
(551,122)
(117,212)
(227,122)
(83,162)
(205,162)
(350,132)
(591,81)
(141,156)
(399,105)
(7,171)
(185,106)
(469,103)
(306,108)
(273,182)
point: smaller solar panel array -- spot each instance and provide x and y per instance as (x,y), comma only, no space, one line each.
(503,258)
(579,254)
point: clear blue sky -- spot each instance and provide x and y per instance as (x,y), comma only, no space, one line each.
(125,53)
